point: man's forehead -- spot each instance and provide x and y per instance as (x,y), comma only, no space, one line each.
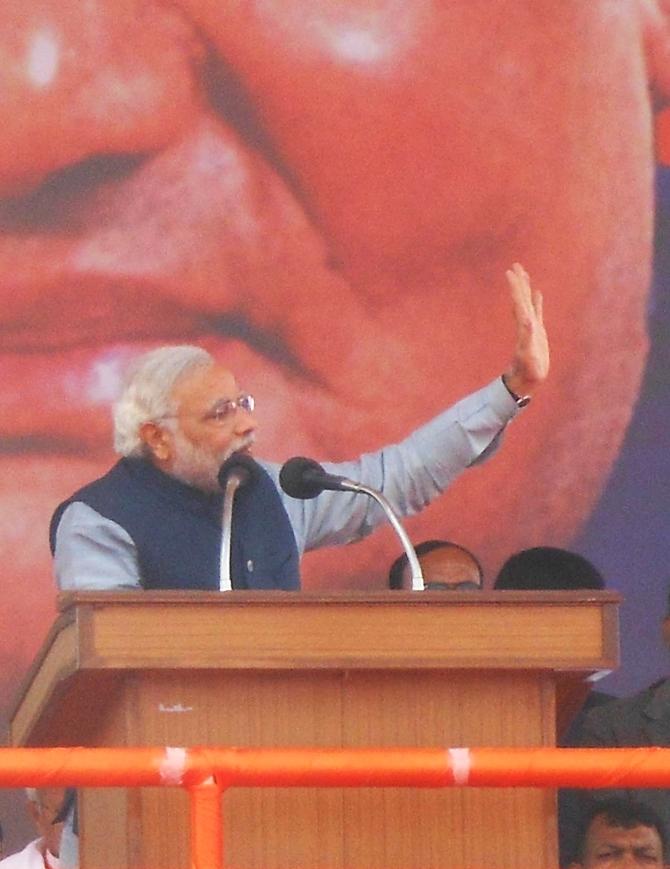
(602,832)
(447,554)
(51,798)
(449,558)
(446,564)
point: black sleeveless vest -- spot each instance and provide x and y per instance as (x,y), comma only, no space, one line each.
(177,529)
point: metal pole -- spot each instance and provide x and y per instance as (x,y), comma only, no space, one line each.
(206,825)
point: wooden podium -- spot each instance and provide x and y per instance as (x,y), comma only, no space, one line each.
(378,669)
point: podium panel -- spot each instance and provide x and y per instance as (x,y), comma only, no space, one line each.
(294,669)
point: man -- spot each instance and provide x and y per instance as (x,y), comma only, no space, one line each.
(154,520)
(44,807)
(444,565)
(621,833)
(551,568)
(629,722)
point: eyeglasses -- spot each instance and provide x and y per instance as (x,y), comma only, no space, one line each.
(224,410)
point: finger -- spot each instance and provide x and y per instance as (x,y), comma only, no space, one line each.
(518,302)
(521,277)
(538,304)
(521,273)
(521,292)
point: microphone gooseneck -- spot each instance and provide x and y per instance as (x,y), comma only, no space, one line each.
(238,470)
(305,478)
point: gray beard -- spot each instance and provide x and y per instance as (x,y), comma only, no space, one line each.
(198,467)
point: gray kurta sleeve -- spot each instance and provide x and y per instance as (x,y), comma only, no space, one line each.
(410,474)
(93,553)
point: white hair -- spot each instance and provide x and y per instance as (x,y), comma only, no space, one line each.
(147,395)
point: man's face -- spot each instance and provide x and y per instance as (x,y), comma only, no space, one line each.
(609,847)
(326,195)
(206,429)
(48,805)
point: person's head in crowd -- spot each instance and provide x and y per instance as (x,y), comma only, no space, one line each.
(157,183)
(548,568)
(444,565)
(185,413)
(45,809)
(621,834)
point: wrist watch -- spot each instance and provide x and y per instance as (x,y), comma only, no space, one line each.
(519,400)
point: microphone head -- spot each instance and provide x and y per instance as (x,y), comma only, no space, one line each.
(243,466)
(300,478)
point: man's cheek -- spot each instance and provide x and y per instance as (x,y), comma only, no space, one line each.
(655,18)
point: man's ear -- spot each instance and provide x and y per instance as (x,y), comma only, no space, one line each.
(158,440)
(655,23)
(655,26)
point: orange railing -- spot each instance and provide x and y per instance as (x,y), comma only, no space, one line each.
(206,772)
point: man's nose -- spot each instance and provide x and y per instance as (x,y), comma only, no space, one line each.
(245,421)
(82,80)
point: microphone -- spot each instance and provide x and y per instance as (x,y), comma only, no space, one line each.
(240,466)
(305,478)
(238,470)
